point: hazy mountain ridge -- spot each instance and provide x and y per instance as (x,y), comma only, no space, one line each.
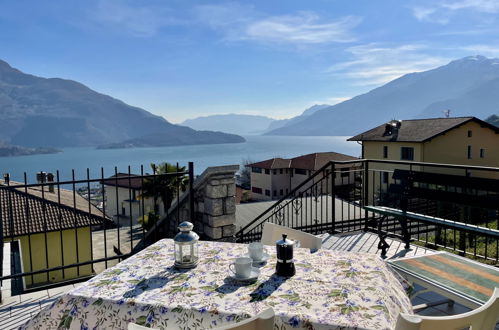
(231,123)
(468,87)
(64,113)
(286,122)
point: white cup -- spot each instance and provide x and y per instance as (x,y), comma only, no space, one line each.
(255,250)
(241,267)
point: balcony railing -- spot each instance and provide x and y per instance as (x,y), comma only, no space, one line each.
(63,231)
(332,201)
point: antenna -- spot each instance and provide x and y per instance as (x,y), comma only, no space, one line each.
(446,113)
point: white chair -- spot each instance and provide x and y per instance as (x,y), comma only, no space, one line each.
(272,233)
(133,326)
(262,321)
(484,317)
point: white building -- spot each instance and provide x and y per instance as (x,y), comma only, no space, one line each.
(274,178)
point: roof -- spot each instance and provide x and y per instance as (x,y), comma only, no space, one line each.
(417,130)
(25,211)
(124,180)
(311,161)
(317,160)
(272,163)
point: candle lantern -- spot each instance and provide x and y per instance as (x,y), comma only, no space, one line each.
(186,246)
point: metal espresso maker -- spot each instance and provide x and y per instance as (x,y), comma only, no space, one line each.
(285,265)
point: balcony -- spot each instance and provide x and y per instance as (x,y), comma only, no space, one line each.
(316,206)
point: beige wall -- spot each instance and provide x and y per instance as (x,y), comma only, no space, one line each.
(262,181)
(113,208)
(36,244)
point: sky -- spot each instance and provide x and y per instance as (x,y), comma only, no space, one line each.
(182,59)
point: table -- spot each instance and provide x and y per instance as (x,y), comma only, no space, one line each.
(465,281)
(330,289)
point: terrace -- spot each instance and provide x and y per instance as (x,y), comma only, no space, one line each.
(315,206)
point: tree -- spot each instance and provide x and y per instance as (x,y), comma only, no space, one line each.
(244,176)
(164,184)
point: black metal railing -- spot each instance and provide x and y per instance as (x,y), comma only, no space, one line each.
(328,202)
(311,206)
(63,231)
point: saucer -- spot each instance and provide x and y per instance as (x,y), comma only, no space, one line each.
(265,257)
(255,272)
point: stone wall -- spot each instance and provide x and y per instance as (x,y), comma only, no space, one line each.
(214,206)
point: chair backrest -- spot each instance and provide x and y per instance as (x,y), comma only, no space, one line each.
(272,233)
(484,317)
(133,326)
(262,321)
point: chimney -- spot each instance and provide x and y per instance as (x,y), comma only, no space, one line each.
(40,177)
(50,178)
(6,179)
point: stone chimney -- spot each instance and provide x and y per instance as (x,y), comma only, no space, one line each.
(50,178)
(6,179)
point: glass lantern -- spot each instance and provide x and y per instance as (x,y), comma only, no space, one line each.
(186,246)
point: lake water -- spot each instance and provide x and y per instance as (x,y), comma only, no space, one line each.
(256,148)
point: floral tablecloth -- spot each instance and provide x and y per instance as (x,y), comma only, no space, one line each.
(331,290)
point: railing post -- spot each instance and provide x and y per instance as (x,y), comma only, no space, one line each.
(333,198)
(365,186)
(191,192)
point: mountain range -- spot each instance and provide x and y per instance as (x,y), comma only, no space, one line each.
(57,112)
(467,87)
(247,124)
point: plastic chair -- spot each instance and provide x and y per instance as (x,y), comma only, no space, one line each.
(272,233)
(484,317)
(262,321)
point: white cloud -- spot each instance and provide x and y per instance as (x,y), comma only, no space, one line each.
(486,6)
(302,28)
(238,22)
(373,64)
(441,12)
(139,21)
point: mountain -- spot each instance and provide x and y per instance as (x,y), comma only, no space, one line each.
(494,120)
(7,150)
(285,122)
(468,87)
(64,113)
(231,123)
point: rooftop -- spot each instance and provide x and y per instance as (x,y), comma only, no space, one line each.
(312,161)
(416,130)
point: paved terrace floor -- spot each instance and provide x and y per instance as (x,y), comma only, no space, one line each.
(16,310)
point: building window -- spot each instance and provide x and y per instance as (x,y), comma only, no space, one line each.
(385,177)
(275,192)
(267,171)
(267,192)
(287,191)
(407,153)
(345,172)
(470,133)
(300,171)
(280,171)
(256,190)
(482,153)
(281,192)
(256,170)
(385,151)
(275,172)
(469,152)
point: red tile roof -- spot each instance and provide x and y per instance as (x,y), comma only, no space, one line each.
(309,162)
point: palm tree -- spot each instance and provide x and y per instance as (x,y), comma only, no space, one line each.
(164,184)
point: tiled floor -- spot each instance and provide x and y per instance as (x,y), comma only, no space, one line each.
(16,310)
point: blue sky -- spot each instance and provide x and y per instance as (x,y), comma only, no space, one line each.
(182,59)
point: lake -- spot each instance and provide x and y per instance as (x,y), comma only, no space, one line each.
(256,148)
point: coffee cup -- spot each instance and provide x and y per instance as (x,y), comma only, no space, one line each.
(241,267)
(255,251)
